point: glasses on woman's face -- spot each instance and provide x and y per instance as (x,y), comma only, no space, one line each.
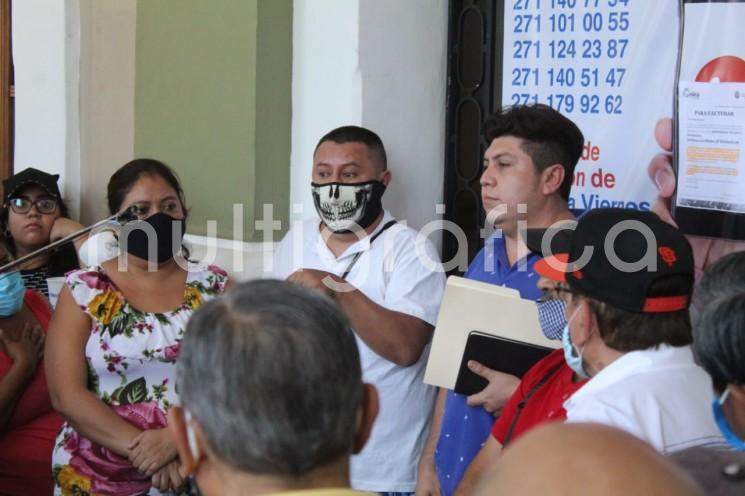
(23,205)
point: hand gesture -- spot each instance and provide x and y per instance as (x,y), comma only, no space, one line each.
(151,450)
(168,477)
(26,348)
(497,392)
(427,483)
(325,282)
(63,227)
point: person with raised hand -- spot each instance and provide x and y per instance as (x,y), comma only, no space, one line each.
(705,250)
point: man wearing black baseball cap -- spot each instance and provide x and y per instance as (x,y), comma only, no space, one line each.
(627,279)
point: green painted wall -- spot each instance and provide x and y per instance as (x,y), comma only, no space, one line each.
(212,100)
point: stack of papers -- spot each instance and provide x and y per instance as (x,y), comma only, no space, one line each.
(476,306)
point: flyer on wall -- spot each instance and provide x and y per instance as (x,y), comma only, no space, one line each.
(711,144)
(710,120)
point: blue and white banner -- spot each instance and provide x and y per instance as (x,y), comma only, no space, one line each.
(609,65)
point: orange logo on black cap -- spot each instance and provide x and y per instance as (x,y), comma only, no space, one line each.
(668,255)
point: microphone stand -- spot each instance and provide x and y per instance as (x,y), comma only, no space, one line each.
(121,218)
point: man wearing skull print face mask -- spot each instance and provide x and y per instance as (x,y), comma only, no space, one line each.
(387,286)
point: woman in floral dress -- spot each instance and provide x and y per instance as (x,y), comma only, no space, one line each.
(113,342)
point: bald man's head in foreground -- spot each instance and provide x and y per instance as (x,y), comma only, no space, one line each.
(564,459)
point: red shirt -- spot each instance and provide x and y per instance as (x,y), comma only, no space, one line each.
(546,403)
(26,442)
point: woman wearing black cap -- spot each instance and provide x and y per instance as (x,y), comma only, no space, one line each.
(33,214)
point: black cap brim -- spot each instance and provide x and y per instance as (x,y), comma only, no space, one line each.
(558,238)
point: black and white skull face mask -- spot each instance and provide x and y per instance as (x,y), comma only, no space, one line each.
(344,207)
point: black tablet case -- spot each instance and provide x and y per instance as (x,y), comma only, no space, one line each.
(502,354)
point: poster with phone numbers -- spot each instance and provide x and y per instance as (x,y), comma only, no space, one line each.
(609,65)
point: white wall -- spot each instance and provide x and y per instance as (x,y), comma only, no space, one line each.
(380,64)
(326,84)
(403,46)
(46,56)
(375,63)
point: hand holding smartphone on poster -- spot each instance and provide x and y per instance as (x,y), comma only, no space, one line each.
(708,138)
(660,169)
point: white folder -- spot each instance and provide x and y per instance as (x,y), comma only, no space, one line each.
(477,306)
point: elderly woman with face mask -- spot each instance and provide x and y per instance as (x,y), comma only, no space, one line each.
(719,346)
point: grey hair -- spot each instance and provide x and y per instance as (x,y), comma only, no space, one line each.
(719,333)
(719,340)
(271,372)
(723,278)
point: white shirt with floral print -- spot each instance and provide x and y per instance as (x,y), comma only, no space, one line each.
(131,366)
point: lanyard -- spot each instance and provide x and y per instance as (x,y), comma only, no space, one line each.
(359,253)
(524,401)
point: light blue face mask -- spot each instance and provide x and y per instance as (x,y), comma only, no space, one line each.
(12,290)
(721,420)
(572,355)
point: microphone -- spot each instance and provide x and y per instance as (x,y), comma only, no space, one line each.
(123,217)
(126,215)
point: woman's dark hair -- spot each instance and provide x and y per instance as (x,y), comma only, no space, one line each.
(123,179)
(356,134)
(61,260)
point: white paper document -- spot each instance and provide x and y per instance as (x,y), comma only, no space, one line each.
(712,146)
(477,306)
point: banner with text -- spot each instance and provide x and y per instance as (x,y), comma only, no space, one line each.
(609,65)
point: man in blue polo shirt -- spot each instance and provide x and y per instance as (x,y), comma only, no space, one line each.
(528,169)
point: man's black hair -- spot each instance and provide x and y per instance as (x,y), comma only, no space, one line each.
(548,137)
(356,134)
